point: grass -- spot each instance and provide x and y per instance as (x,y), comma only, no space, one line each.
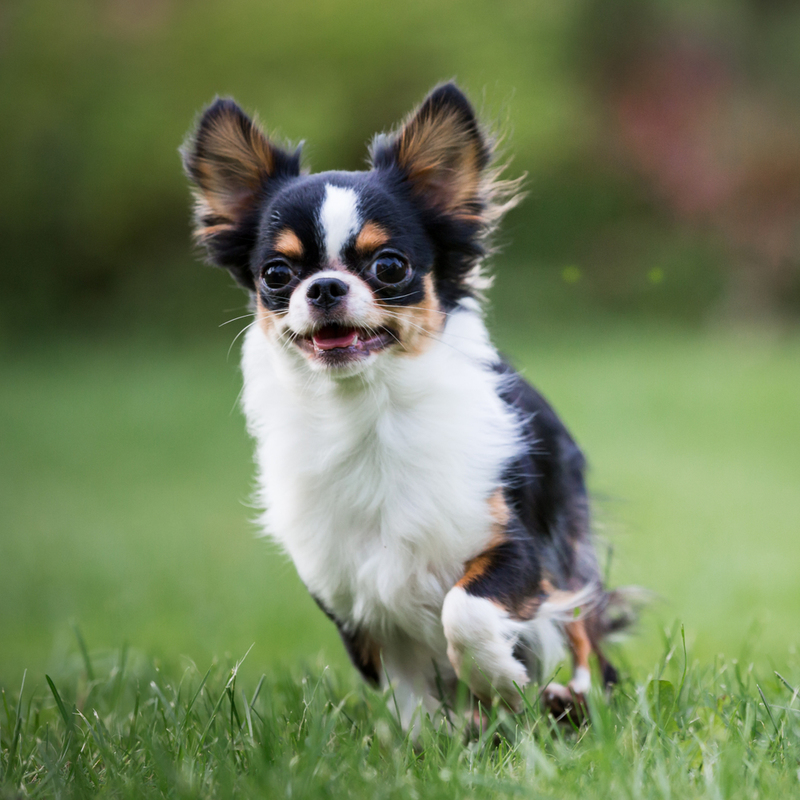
(125,478)
(122,728)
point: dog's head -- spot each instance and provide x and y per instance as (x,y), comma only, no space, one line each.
(346,266)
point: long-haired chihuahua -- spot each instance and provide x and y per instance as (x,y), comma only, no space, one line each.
(432,502)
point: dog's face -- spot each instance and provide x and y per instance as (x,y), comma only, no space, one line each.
(347,266)
(341,272)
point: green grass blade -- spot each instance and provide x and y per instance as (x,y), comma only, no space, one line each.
(786,683)
(15,736)
(87,662)
(68,721)
(769,711)
(257,691)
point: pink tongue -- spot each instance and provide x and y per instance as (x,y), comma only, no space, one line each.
(329,338)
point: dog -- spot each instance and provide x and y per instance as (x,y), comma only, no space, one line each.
(432,502)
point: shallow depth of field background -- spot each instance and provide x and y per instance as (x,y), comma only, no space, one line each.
(649,286)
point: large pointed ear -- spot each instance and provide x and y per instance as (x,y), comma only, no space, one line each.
(233,167)
(443,154)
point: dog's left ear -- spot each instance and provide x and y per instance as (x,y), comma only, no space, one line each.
(442,153)
(233,167)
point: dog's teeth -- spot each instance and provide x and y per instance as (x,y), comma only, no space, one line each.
(355,341)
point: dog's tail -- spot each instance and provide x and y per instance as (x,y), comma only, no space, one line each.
(606,615)
(545,631)
(615,613)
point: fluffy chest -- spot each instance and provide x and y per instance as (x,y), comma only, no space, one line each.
(379,489)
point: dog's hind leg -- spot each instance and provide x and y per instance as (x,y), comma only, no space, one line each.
(580,645)
(571,699)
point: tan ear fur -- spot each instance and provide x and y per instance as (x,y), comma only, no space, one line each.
(230,162)
(444,157)
(232,166)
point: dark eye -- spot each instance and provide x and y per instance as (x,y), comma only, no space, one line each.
(277,275)
(390,270)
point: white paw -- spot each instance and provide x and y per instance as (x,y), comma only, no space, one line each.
(581,681)
(480,645)
(564,703)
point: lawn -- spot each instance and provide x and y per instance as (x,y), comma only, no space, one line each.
(124,729)
(125,491)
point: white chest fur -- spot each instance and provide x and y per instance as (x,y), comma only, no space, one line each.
(377,485)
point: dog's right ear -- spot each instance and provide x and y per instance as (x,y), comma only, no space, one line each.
(233,167)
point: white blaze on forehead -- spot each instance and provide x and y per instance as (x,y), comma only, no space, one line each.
(338,218)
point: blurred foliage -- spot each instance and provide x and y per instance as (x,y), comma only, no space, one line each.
(602,99)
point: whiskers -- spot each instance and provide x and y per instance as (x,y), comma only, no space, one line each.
(243,330)
(395,321)
(395,315)
(236,319)
(254,315)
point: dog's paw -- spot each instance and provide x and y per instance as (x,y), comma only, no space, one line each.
(480,646)
(565,704)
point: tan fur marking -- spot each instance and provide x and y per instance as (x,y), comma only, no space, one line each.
(371,237)
(266,318)
(475,568)
(288,244)
(442,161)
(416,326)
(233,163)
(579,643)
(206,232)
(498,508)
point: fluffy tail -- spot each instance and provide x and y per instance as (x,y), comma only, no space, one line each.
(545,632)
(615,613)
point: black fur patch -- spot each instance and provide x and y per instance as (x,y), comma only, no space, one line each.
(511,573)
(545,487)
(546,496)
(357,647)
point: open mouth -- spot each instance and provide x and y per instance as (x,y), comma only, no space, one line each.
(340,343)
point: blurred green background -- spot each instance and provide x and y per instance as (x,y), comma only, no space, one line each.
(649,286)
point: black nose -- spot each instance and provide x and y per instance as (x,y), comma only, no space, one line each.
(325,293)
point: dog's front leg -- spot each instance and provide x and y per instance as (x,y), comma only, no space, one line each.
(405,676)
(481,637)
(484,614)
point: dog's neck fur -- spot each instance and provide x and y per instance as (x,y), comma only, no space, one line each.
(378,485)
